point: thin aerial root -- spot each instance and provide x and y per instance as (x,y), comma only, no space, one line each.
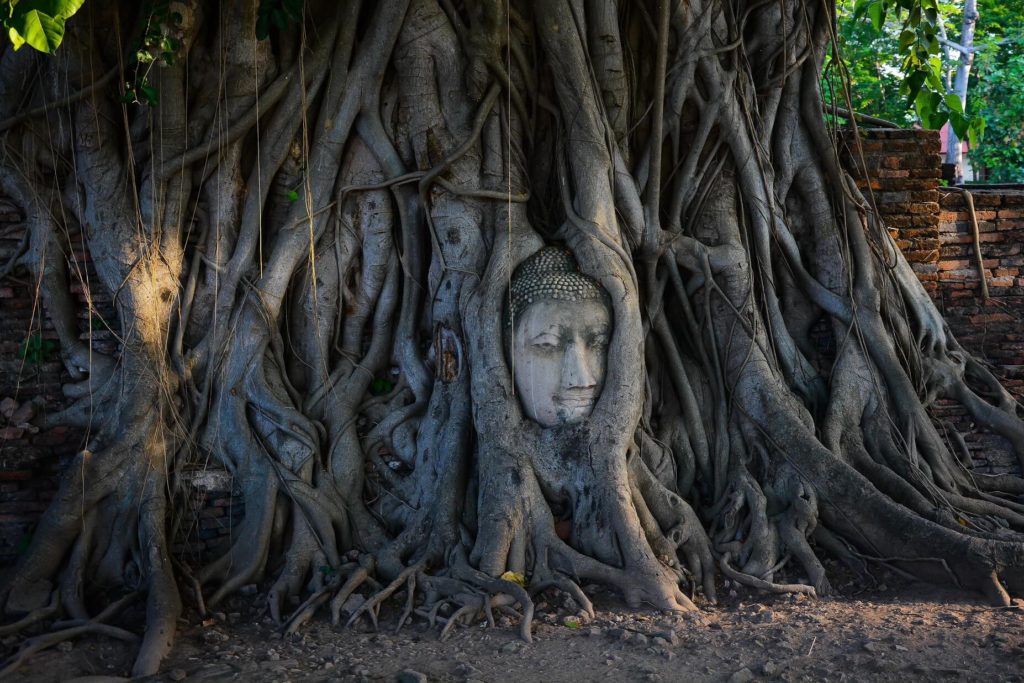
(34,645)
(410,596)
(761,584)
(518,593)
(108,613)
(489,612)
(372,603)
(432,616)
(995,591)
(193,583)
(465,610)
(33,617)
(307,609)
(569,587)
(358,577)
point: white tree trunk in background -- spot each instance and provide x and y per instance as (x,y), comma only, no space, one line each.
(954,153)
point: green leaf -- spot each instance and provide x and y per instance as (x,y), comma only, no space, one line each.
(58,9)
(927,106)
(915,16)
(40,31)
(959,123)
(860,7)
(23,543)
(954,104)
(263,27)
(907,38)
(876,11)
(911,86)
(40,23)
(16,40)
(35,349)
(148,94)
(976,133)
(293,196)
(380,387)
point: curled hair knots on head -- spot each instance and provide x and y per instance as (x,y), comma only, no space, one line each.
(550,274)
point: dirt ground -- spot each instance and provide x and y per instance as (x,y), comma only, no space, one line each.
(910,632)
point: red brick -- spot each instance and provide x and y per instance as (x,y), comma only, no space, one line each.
(991,318)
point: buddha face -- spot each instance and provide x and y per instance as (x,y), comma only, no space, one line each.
(560,352)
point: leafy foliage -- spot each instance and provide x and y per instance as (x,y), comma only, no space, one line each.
(37,23)
(998,94)
(158,46)
(36,350)
(381,386)
(277,14)
(900,40)
(872,68)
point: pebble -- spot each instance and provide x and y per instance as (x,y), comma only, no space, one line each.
(65,646)
(411,676)
(353,603)
(466,669)
(744,675)
(177,675)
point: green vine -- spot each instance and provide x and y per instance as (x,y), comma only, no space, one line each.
(158,46)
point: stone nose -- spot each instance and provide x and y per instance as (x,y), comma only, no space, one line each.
(577,372)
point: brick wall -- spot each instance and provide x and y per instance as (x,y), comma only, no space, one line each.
(31,376)
(991,329)
(903,171)
(931,226)
(30,382)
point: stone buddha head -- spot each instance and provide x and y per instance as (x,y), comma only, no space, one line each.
(560,323)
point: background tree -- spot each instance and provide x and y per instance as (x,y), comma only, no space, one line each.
(998,94)
(871,58)
(309,240)
(876,79)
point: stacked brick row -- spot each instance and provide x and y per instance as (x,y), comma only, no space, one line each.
(899,170)
(31,376)
(209,509)
(991,329)
(931,227)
